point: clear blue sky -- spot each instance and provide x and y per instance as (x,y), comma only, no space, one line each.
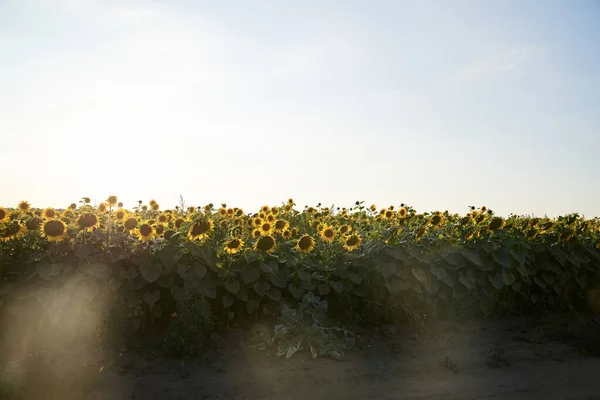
(438,104)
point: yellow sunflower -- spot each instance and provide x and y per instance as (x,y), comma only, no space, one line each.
(144,208)
(256,233)
(436,219)
(163,218)
(287,208)
(286,234)
(265,209)
(271,218)
(54,230)
(328,233)
(290,201)
(265,244)
(234,245)
(88,221)
(200,229)
(24,206)
(159,229)
(73,206)
(33,224)
(496,223)
(191,209)
(389,214)
(145,232)
(266,228)
(102,207)
(155,207)
(152,202)
(120,214)
(49,213)
(112,201)
(223,212)
(344,229)
(12,231)
(230,212)
(178,222)
(3,214)
(257,222)
(130,224)
(295,231)
(281,225)
(305,244)
(352,242)
(402,212)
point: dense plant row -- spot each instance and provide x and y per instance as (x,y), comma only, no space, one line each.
(139,263)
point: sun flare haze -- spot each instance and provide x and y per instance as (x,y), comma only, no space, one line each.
(440,105)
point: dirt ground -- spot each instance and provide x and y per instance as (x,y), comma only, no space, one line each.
(520,358)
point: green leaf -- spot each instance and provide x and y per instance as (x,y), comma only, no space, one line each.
(44,295)
(261,287)
(508,277)
(582,280)
(140,258)
(207,287)
(151,297)
(387,269)
(439,272)
(177,293)
(249,274)
(448,280)
(227,301)
(296,291)
(356,279)
(114,284)
(503,258)
(432,287)
(497,281)
(450,258)
(534,298)
(274,294)
(304,276)
(156,310)
(277,280)
(270,267)
(128,273)
(466,281)
(252,305)
(150,272)
(473,257)
(47,271)
(396,252)
(166,281)
(232,286)
(396,285)
(87,289)
(403,272)
(338,286)
(97,269)
(308,286)
(82,250)
(199,270)
(324,289)
(540,282)
(170,256)
(242,294)
(420,274)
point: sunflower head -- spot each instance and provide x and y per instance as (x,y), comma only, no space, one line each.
(54,230)
(112,201)
(290,201)
(281,225)
(145,232)
(73,206)
(120,214)
(436,220)
(130,223)
(265,244)
(328,233)
(234,245)
(286,234)
(388,214)
(3,214)
(102,207)
(178,222)
(163,218)
(159,229)
(256,233)
(88,221)
(201,229)
(152,202)
(295,231)
(344,229)
(155,207)
(12,231)
(305,244)
(24,206)
(33,223)
(266,228)
(223,212)
(352,242)
(496,223)
(49,213)
(144,208)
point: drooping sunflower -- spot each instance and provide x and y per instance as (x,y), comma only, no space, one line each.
(112,201)
(328,233)
(88,221)
(12,231)
(234,245)
(191,209)
(3,214)
(145,232)
(208,208)
(290,201)
(201,229)
(159,229)
(373,207)
(178,222)
(352,242)
(102,207)
(265,244)
(305,244)
(130,223)
(49,213)
(496,223)
(281,225)
(54,230)
(24,206)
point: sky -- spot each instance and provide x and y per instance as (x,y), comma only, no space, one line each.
(436,104)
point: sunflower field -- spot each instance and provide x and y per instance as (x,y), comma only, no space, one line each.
(369,264)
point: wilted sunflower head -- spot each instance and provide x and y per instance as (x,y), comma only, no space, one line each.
(265,244)
(496,223)
(191,209)
(566,235)
(112,201)
(178,222)
(352,242)
(483,209)
(159,229)
(305,244)
(200,229)
(234,245)
(3,214)
(24,206)
(373,207)
(130,224)
(54,230)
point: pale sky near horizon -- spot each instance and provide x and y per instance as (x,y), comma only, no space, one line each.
(437,104)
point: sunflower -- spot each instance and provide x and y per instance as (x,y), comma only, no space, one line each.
(328,233)
(178,222)
(234,245)
(49,213)
(223,212)
(24,206)
(88,221)
(290,201)
(420,233)
(344,229)
(144,208)
(237,231)
(266,228)
(265,209)
(3,214)
(566,236)
(145,232)
(200,229)
(352,242)
(305,244)
(281,225)
(230,212)
(120,204)
(68,214)
(155,207)
(286,234)
(265,243)
(402,212)
(388,214)
(12,231)
(130,223)
(33,224)
(224,224)
(311,210)
(112,201)
(256,233)
(436,219)
(496,224)
(102,207)
(86,200)
(73,206)
(54,230)
(163,218)
(483,209)
(152,202)
(287,208)
(238,212)
(271,218)
(159,229)
(120,214)
(208,208)
(295,231)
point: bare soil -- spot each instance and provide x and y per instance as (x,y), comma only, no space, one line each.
(519,358)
